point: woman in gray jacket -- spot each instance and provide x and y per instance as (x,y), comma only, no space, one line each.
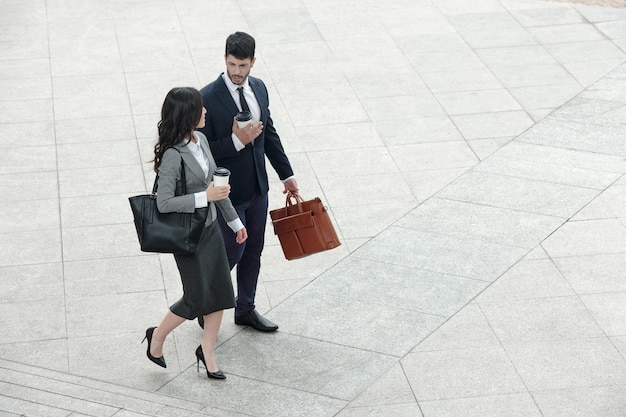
(205,274)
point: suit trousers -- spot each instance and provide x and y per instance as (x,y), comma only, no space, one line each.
(247,256)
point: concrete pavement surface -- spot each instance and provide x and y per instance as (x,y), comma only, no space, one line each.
(471,154)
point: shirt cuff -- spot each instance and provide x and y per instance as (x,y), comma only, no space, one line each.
(235,225)
(201,200)
(237,143)
(287,179)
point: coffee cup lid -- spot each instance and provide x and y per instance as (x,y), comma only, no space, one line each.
(221,172)
(244,115)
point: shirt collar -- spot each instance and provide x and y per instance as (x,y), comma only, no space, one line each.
(232,86)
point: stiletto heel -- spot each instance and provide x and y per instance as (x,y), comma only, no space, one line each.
(200,357)
(159,361)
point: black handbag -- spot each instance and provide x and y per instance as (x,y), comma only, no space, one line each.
(167,232)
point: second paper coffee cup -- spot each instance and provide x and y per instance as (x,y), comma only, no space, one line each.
(243,118)
(220,176)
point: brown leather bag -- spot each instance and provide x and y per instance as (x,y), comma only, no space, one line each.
(303,227)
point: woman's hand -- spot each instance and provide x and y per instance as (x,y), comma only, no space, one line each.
(214,193)
(242,235)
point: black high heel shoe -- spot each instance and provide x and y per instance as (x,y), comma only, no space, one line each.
(159,361)
(200,357)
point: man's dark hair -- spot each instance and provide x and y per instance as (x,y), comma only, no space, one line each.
(240,45)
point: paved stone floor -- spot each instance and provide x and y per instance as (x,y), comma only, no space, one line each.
(472,156)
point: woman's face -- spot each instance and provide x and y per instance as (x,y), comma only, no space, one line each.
(202,121)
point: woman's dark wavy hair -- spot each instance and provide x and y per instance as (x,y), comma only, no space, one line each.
(180,115)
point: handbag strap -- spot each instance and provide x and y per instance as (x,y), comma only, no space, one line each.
(183,178)
(298,201)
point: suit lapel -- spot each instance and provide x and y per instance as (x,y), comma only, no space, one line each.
(191,162)
(255,85)
(225,97)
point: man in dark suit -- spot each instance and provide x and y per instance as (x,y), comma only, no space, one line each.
(243,152)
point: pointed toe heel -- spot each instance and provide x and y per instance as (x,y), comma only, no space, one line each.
(159,361)
(200,357)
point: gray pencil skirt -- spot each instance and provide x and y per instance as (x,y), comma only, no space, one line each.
(205,275)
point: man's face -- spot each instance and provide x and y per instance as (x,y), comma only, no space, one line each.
(238,69)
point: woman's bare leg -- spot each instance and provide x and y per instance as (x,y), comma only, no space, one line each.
(169,323)
(212,324)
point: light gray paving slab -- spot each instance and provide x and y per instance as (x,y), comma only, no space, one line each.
(545,97)
(305,364)
(609,311)
(250,397)
(112,153)
(103,241)
(28,408)
(24,159)
(463,60)
(341,136)
(394,410)
(487,38)
(30,215)
(384,328)
(595,273)
(472,22)
(410,289)
(396,108)
(518,194)
(412,131)
(457,373)
(92,181)
(527,279)
(481,101)
(505,405)
(492,224)
(566,364)
(467,329)
(547,14)
(31,282)
(521,55)
(28,247)
(555,165)
(12,186)
(38,133)
(562,318)
(391,388)
(454,255)
(471,80)
(492,125)
(38,353)
(578,32)
(589,52)
(443,155)
(21,320)
(589,237)
(594,401)
(532,75)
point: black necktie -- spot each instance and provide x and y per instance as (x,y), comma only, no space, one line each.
(242,100)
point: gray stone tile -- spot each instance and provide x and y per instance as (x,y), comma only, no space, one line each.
(457,373)
(612,89)
(481,101)
(504,405)
(492,125)
(518,194)
(532,75)
(397,108)
(472,22)
(418,130)
(582,402)
(590,237)
(425,183)
(25,283)
(589,52)
(365,160)
(24,159)
(485,147)
(301,363)
(521,55)
(346,191)
(579,32)
(110,276)
(251,397)
(425,156)
(96,242)
(391,388)
(550,15)
(565,364)
(380,327)
(21,408)
(588,73)
(367,221)
(487,38)
(12,186)
(557,165)
(341,136)
(506,227)
(470,258)
(82,318)
(393,410)
(538,97)
(470,80)
(519,321)
(96,130)
(26,111)
(22,248)
(30,215)
(95,210)
(38,133)
(23,322)
(595,273)
(114,153)
(529,278)
(467,329)
(410,289)
(460,60)
(92,181)
(609,311)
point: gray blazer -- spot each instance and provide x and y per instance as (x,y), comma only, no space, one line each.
(169,191)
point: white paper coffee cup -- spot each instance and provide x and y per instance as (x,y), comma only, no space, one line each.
(243,118)
(221,176)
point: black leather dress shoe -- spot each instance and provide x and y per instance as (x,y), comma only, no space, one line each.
(253,319)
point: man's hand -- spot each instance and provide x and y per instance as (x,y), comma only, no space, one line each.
(291,187)
(242,235)
(249,132)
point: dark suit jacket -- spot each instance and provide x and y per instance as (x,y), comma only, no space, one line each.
(247,167)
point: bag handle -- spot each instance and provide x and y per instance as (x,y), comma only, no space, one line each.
(183,178)
(298,201)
